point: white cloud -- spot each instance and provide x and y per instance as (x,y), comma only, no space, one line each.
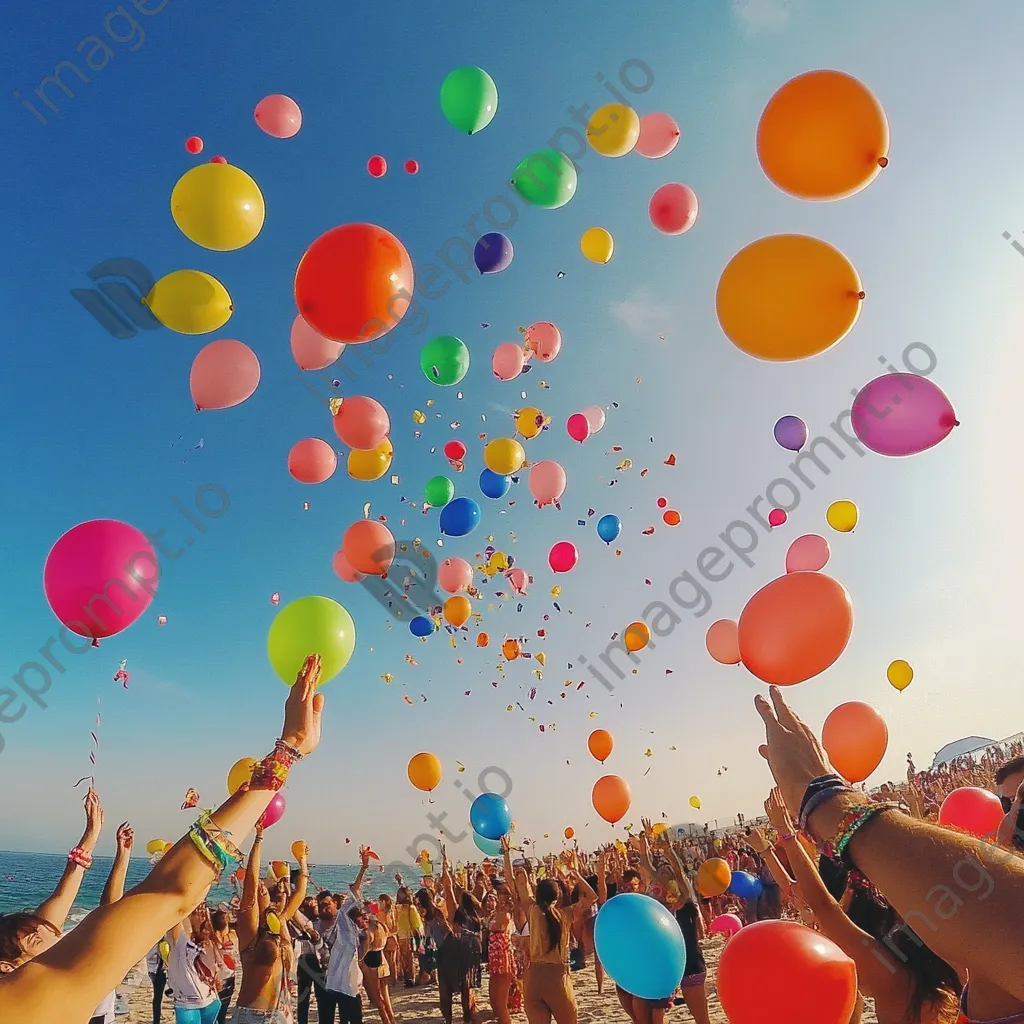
(645,315)
(756,16)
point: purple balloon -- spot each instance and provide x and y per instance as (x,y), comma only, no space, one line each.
(901,414)
(791,433)
(493,253)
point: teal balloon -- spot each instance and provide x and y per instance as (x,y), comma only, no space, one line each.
(445,360)
(311,625)
(640,945)
(439,491)
(546,178)
(469,99)
(488,847)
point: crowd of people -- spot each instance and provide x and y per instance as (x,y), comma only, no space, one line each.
(929,916)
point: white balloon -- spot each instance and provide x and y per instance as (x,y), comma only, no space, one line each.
(595,417)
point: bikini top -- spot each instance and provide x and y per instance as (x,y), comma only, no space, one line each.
(1015,1018)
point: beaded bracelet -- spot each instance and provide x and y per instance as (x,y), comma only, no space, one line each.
(213,843)
(80,857)
(854,820)
(272,772)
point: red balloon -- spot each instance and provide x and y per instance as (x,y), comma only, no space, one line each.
(377,166)
(972,810)
(673,208)
(354,283)
(455,450)
(563,556)
(412,167)
(218,160)
(312,461)
(777,517)
(362,423)
(194,144)
(578,427)
(779,972)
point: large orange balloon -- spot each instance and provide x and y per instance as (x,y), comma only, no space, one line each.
(795,627)
(457,610)
(354,283)
(723,643)
(822,136)
(600,744)
(713,877)
(855,738)
(425,771)
(611,798)
(779,972)
(788,297)
(369,547)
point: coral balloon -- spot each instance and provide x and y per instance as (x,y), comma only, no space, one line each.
(855,737)
(659,135)
(508,360)
(791,433)
(544,340)
(218,206)
(518,579)
(92,570)
(493,253)
(611,798)
(529,422)
(714,877)
(510,650)
(842,516)
(778,972)
(777,517)
(362,422)
(600,744)
(563,556)
(371,464)
(454,574)
(723,642)
(425,772)
(547,482)
(240,774)
(788,297)
(901,414)
(673,208)
(504,456)
(354,283)
(595,418)
(569,833)
(578,427)
(672,518)
(822,136)
(274,812)
(344,571)
(613,130)
(310,350)
(224,374)
(546,178)
(809,553)
(190,302)
(972,810)
(312,461)
(795,628)
(597,245)
(457,610)
(637,636)
(369,547)
(279,116)
(377,166)
(900,675)
(311,625)
(469,99)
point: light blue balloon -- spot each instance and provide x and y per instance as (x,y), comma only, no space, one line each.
(608,528)
(745,885)
(459,517)
(488,847)
(640,945)
(494,485)
(490,816)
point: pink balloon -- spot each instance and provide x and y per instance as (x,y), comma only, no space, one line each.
(547,482)
(100,577)
(312,461)
(369,547)
(224,374)
(544,340)
(313,351)
(578,427)
(901,414)
(659,135)
(723,641)
(673,209)
(362,423)
(279,116)
(454,574)
(507,361)
(345,571)
(274,812)
(595,418)
(563,556)
(777,517)
(809,553)
(518,579)
(727,924)
(972,810)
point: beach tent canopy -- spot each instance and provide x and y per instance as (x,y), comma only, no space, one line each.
(958,748)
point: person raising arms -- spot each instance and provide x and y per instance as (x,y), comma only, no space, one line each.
(112,892)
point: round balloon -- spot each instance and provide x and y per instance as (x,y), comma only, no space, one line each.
(459,517)
(777,517)
(344,571)
(194,145)
(855,737)
(469,99)
(529,422)
(595,417)
(439,491)
(371,464)
(791,433)
(608,527)
(973,810)
(454,574)
(673,208)
(369,547)
(377,166)
(313,351)
(457,610)
(546,178)
(362,422)
(445,360)
(493,253)
(611,798)
(224,374)
(900,674)
(723,642)
(613,130)
(713,877)
(489,815)
(547,482)
(600,744)
(578,427)
(424,772)
(274,812)
(659,135)
(312,461)
(494,485)
(640,945)
(745,885)
(311,625)
(218,206)
(544,340)
(421,626)
(597,245)
(563,556)
(508,360)
(637,636)
(901,414)
(504,456)
(788,297)
(726,924)
(488,847)
(190,302)
(809,553)
(842,516)
(279,116)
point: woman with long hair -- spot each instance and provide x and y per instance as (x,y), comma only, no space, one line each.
(389,919)
(375,967)
(230,960)
(409,932)
(192,968)
(501,959)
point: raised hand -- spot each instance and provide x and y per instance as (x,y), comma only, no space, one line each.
(778,813)
(93,818)
(303,709)
(125,837)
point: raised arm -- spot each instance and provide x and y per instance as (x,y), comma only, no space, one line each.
(448,887)
(248,922)
(587,895)
(114,889)
(775,866)
(602,878)
(364,864)
(299,895)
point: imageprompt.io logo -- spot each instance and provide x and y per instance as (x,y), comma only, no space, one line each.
(115,305)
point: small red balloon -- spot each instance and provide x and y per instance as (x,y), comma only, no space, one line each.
(377,166)
(455,450)
(662,503)
(777,517)
(194,144)
(218,160)
(412,167)
(563,556)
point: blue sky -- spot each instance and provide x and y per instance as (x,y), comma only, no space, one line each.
(94,423)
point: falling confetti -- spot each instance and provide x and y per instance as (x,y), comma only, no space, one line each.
(161,620)
(275,598)
(121,675)
(335,404)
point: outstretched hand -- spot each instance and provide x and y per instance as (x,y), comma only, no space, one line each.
(93,816)
(303,708)
(125,837)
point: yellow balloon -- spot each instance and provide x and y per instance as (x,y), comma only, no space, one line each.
(273,923)
(842,516)
(597,245)
(900,674)
(155,846)
(165,950)
(788,297)
(504,455)
(613,130)
(695,802)
(371,464)
(457,610)
(240,774)
(529,422)
(190,302)
(660,828)
(167,846)
(218,206)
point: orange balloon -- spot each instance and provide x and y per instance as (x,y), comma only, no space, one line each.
(482,640)
(424,771)
(714,877)
(855,738)
(300,849)
(795,627)
(723,642)
(369,547)
(638,636)
(600,744)
(457,610)
(569,833)
(611,798)
(510,649)
(240,875)
(672,517)
(822,136)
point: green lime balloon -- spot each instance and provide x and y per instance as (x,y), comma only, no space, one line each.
(445,360)
(469,99)
(546,178)
(439,491)
(311,625)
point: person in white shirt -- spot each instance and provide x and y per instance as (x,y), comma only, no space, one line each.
(112,892)
(307,946)
(344,975)
(192,969)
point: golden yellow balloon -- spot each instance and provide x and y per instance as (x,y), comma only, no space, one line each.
(529,422)
(504,455)
(273,923)
(788,297)
(218,206)
(155,846)
(900,674)
(660,829)
(613,130)
(842,516)
(457,610)
(597,245)
(637,636)
(695,802)
(240,774)
(190,302)
(371,464)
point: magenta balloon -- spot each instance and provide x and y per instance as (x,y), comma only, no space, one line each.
(563,556)
(362,423)
(224,374)
(547,482)
(345,571)
(809,553)
(777,517)
(673,208)
(279,116)
(544,340)
(454,574)
(901,414)
(595,418)
(727,924)
(274,812)
(578,427)
(507,361)
(659,135)
(100,577)
(313,351)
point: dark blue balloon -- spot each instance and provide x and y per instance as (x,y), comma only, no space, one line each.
(421,626)
(745,885)
(494,485)
(490,816)
(608,528)
(459,517)
(493,253)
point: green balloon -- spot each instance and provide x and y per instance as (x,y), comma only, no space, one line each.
(311,625)
(469,99)
(546,178)
(439,491)
(445,360)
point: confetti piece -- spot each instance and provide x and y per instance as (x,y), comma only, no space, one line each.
(161,620)
(430,402)
(510,708)
(670,461)
(458,764)
(275,598)
(407,698)
(648,752)
(305,506)
(366,510)
(673,748)
(541,658)
(556,591)
(388,677)
(335,404)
